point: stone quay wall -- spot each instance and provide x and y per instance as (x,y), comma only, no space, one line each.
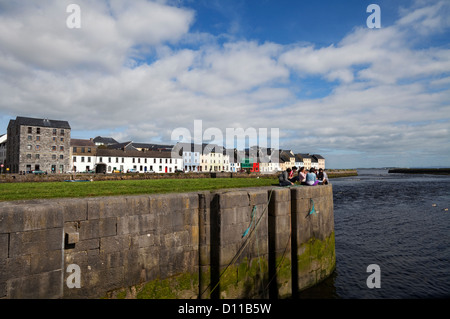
(267,242)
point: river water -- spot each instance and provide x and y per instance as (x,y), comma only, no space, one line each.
(398,222)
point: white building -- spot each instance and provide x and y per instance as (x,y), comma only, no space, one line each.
(214,159)
(191,156)
(110,161)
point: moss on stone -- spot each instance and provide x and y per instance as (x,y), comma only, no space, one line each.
(317,260)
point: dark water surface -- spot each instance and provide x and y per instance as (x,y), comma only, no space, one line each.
(398,222)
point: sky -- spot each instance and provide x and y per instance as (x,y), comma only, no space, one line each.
(138,70)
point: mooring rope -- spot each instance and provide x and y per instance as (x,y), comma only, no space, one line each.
(243,246)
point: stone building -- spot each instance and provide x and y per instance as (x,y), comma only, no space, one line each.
(38,145)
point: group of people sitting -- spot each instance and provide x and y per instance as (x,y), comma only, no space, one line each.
(311,178)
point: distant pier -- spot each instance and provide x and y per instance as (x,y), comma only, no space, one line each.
(434,171)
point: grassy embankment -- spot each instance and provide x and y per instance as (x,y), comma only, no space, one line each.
(46,190)
(22,191)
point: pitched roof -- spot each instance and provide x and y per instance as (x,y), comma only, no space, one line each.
(80,142)
(29,121)
(304,155)
(105,140)
(147,154)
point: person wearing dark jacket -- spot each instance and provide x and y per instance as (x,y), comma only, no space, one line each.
(284,178)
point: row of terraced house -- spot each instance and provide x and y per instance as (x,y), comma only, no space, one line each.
(46,146)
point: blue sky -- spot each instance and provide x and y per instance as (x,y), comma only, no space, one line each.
(137,70)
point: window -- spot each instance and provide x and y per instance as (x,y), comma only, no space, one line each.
(62,132)
(123,160)
(29,147)
(74,159)
(38,138)
(89,150)
(82,159)
(54,131)
(117,160)
(89,159)
(53,157)
(29,137)
(61,148)
(74,149)
(28,156)
(109,159)
(61,157)
(37,156)
(54,148)
(38,130)
(30,130)
(62,139)
(38,147)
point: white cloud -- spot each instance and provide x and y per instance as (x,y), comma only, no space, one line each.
(234,68)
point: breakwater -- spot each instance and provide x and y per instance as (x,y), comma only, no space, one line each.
(433,171)
(265,242)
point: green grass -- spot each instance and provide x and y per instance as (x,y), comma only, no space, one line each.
(26,191)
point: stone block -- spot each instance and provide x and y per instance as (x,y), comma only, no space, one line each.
(233,199)
(14,267)
(105,207)
(51,260)
(89,229)
(113,243)
(258,197)
(73,209)
(137,205)
(108,227)
(47,285)
(35,242)
(72,237)
(4,244)
(29,215)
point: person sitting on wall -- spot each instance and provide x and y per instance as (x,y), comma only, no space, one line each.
(322,177)
(302,175)
(292,177)
(311,178)
(283,178)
